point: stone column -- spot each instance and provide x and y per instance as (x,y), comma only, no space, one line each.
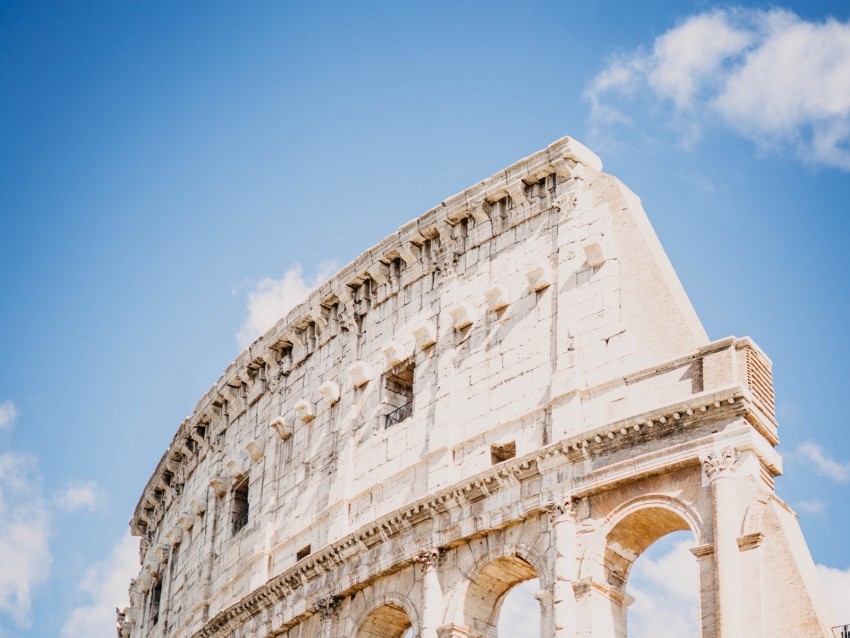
(327,608)
(432,595)
(719,470)
(563,537)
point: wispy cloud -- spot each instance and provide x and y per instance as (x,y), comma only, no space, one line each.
(8,415)
(24,536)
(665,585)
(814,456)
(836,585)
(812,506)
(778,80)
(106,586)
(271,299)
(79,496)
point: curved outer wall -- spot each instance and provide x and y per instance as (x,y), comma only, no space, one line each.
(556,368)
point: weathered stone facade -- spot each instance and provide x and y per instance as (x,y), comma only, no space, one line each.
(513,385)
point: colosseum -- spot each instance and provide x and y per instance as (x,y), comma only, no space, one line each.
(512,386)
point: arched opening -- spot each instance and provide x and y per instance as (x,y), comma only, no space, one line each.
(387,621)
(658,539)
(520,614)
(664,582)
(487,592)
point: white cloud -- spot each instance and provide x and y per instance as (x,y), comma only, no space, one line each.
(8,414)
(812,506)
(79,496)
(778,80)
(271,299)
(813,455)
(24,536)
(106,585)
(665,584)
(520,613)
(836,585)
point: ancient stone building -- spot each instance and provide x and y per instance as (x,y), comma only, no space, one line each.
(513,385)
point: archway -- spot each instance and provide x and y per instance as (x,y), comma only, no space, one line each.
(387,621)
(667,525)
(487,591)
(664,582)
(520,614)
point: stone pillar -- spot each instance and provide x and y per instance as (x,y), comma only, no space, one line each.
(432,595)
(719,470)
(327,608)
(563,537)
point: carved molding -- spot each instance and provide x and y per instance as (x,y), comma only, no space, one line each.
(719,463)
(327,607)
(429,557)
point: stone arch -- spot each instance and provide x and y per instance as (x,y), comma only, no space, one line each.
(388,617)
(492,577)
(635,525)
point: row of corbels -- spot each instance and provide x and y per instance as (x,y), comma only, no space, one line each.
(663,419)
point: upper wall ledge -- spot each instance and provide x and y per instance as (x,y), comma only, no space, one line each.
(566,158)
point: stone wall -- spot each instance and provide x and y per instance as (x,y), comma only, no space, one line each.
(512,385)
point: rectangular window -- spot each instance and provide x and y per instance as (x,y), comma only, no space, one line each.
(156,597)
(304,552)
(239,511)
(398,392)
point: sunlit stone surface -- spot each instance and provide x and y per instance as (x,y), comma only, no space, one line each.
(513,386)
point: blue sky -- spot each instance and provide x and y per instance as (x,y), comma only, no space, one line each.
(172,175)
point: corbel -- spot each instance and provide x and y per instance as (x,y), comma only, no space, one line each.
(219,484)
(283,429)
(424,334)
(539,277)
(305,410)
(393,353)
(361,372)
(594,254)
(462,316)
(255,450)
(379,273)
(409,252)
(186,520)
(330,392)
(496,297)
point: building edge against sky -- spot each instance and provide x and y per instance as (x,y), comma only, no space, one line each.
(513,385)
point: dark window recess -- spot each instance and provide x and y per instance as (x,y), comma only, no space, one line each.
(304,552)
(175,556)
(156,596)
(502,452)
(398,392)
(239,513)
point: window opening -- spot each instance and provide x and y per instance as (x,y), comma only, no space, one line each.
(502,452)
(156,597)
(398,392)
(304,552)
(239,513)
